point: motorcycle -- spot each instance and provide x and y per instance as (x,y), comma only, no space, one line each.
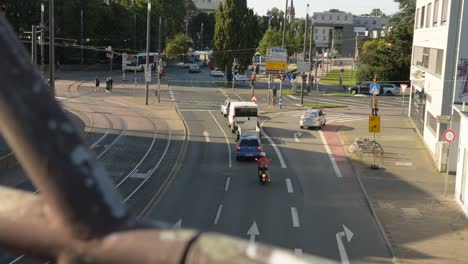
(263,175)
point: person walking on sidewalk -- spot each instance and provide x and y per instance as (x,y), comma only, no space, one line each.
(111,83)
(108,85)
(98,81)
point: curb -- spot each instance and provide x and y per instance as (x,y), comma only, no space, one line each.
(171,177)
(8,161)
(369,204)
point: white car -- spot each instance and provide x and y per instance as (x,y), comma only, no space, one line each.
(240,77)
(312,118)
(225,107)
(390,88)
(194,68)
(217,72)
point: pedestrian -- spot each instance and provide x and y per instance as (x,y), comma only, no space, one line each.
(58,66)
(107,85)
(98,81)
(341,84)
(111,84)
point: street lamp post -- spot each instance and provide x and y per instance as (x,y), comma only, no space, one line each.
(284,23)
(81,36)
(51,47)
(147,49)
(42,39)
(305,30)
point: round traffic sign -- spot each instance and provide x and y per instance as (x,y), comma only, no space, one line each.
(449,135)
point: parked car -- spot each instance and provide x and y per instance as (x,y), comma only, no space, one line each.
(226,106)
(362,88)
(312,118)
(389,89)
(217,72)
(240,77)
(194,68)
(249,146)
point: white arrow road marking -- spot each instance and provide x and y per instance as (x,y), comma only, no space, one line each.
(218,214)
(253,231)
(289,185)
(225,136)
(207,136)
(297,135)
(295,217)
(298,251)
(330,156)
(178,225)
(349,235)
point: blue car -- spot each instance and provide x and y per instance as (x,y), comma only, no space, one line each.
(249,147)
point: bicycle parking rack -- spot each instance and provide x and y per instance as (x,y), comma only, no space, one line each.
(368,147)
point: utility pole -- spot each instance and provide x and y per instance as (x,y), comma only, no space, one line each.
(42,39)
(159,76)
(310,57)
(159,35)
(147,69)
(34,45)
(284,23)
(201,37)
(305,31)
(81,37)
(51,47)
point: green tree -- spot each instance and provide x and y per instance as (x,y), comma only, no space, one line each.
(376,12)
(236,34)
(271,38)
(177,46)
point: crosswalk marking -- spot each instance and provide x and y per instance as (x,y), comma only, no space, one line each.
(334,117)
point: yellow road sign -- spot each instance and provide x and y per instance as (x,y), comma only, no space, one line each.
(374,124)
(276,66)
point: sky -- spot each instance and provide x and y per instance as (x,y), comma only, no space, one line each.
(356,7)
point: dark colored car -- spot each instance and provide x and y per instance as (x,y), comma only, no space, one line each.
(249,147)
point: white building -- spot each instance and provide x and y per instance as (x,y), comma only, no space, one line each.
(209,6)
(435,64)
(371,23)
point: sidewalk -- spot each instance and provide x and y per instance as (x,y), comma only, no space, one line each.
(407,194)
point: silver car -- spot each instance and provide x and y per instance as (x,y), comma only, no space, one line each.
(312,118)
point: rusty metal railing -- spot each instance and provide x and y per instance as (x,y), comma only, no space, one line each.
(77,217)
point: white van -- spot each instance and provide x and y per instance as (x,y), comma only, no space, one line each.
(243,114)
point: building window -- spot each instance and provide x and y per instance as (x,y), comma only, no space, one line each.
(428,16)
(440,61)
(417,19)
(331,18)
(366,22)
(323,31)
(435,19)
(324,38)
(423,12)
(323,17)
(374,22)
(346,18)
(316,37)
(425,58)
(443,17)
(316,30)
(358,21)
(431,123)
(338,18)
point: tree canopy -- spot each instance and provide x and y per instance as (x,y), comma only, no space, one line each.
(236,34)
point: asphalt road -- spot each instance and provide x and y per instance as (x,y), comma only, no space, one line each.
(306,208)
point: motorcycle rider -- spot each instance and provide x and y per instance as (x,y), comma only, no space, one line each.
(263,163)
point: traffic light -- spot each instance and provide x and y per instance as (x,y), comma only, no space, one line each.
(281,77)
(252,80)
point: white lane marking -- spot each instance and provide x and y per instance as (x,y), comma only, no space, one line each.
(207,136)
(225,136)
(402,163)
(275,147)
(138,175)
(295,217)
(143,158)
(218,214)
(298,251)
(154,168)
(297,135)
(330,156)
(226,187)
(105,134)
(289,185)
(124,129)
(17,259)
